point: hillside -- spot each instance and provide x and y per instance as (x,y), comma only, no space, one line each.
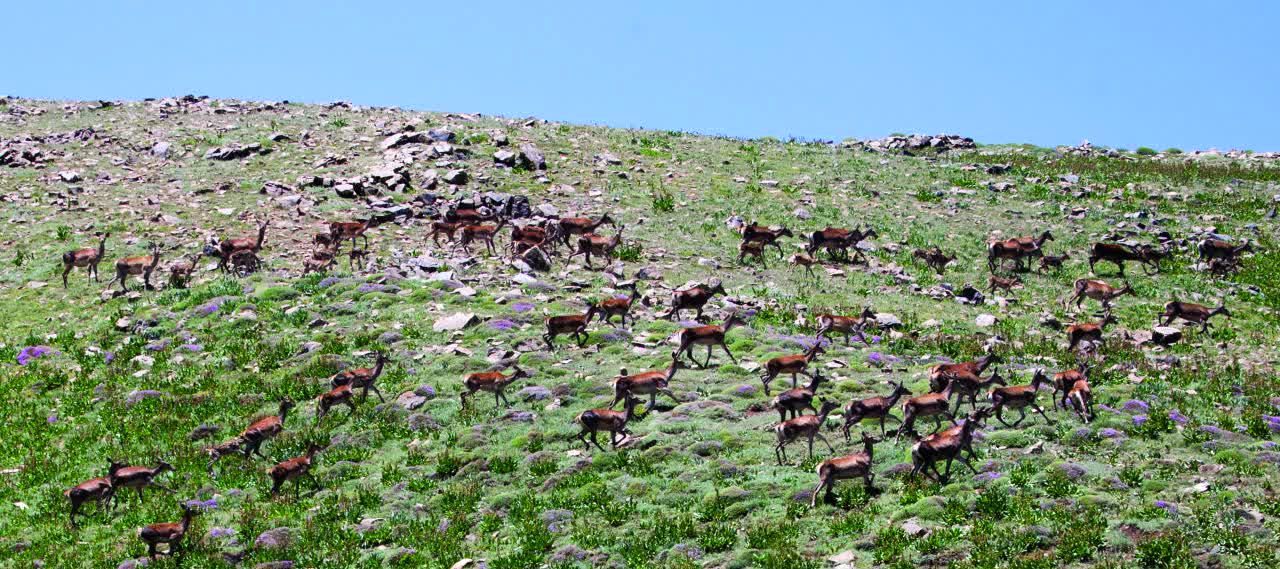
(1177,468)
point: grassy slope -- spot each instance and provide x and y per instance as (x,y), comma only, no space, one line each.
(452,483)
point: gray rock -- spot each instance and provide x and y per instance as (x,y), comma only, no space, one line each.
(532,158)
(548,210)
(410,400)
(441,135)
(455,177)
(534,393)
(1166,335)
(504,158)
(277,538)
(985,321)
(161,149)
(802,213)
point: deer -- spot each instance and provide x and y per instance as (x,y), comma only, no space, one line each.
(846,325)
(571,324)
(98,490)
(263,429)
(1016,249)
(320,260)
(1006,284)
(86,258)
(694,298)
(446,228)
(1080,398)
(1087,331)
(1063,380)
(469,215)
(709,336)
(591,244)
(934,258)
(570,226)
(593,421)
(1118,253)
(936,405)
(979,417)
(877,407)
(344,230)
(1210,249)
(1191,312)
(804,260)
(753,248)
(169,533)
(1052,262)
(139,477)
(795,400)
(527,235)
(926,453)
(846,467)
(245,261)
(224,249)
(180,271)
(755,233)
(225,448)
(362,378)
(1019,397)
(649,383)
(491,381)
(1097,290)
(141,265)
(808,426)
(340,395)
(941,374)
(968,385)
(356,256)
(794,365)
(294,469)
(485,233)
(620,307)
(835,239)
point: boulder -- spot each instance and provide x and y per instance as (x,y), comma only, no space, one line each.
(1165,335)
(532,158)
(504,158)
(455,321)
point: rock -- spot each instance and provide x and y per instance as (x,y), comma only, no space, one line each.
(455,177)
(402,138)
(844,557)
(457,321)
(886,320)
(233,152)
(69,176)
(985,321)
(913,528)
(277,538)
(160,150)
(462,563)
(1166,335)
(608,159)
(532,158)
(441,135)
(548,210)
(534,393)
(504,158)
(410,400)
(802,214)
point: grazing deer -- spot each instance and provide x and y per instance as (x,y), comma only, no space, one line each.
(1017,249)
(294,469)
(936,405)
(362,378)
(446,228)
(795,400)
(754,233)
(99,490)
(1053,262)
(926,453)
(570,226)
(1118,254)
(226,248)
(1211,249)
(86,258)
(808,426)
(794,365)
(1191,312)
(649,383)
(1087,331)
(1097,290)
(1019,397)
(181,270)
(969,385)
(340,395)
(344,230)
(170,533)
(1006,284)
(844,468)
(142,265)
(934,258)
(873,408)
(620,307)
(139,477)
(615,422)
(484,233)
(834,239)
(571,324)
(694,298)
(753,248)
(263,429)
(846,325)
(493,382)
(804,260)
(592,244)
(1080,398)
(941,374)
(708,336)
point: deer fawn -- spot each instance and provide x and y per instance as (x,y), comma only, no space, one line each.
(765,236)
(941,374)
(225,249)
(934,258)
(484,233)
(1019,397)
(968,385)
(493,382)
(1006,284)
(795,400)
(170,533)
(1080,396)
(615,422)
(1090,332)
(708,336)
(753,248)
(592,244)
(805,260)
(99,490)
(794,365)
(936,405)
(873,408)
(620,307)
(1017,249)
(571,324)
(340,395)
(834,239)
(446,228)
(181,270)
(343,230)
(86,258)
(139,477)
(570,226)
(1097,290)
(926,453)
(263,429)
(844,468)
(808,426)
(362,378)
(1117,253)
(1052,262)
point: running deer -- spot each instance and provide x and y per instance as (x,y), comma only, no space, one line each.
(169,533)
(753,248)
(693,298)
(620,307)
(226,248)
(846,467)
(808,426)
(969,385)
(1052,262)
(846,325)
(765,236)
(1019,397)
(834,239)
(1118,253)
(362,378)
(85,258)
(795,400)
(141,265)
(294,469)
(98,490)
(934,258)
(877,407)
(1063,380)
(446,228)
(1017,249)
(794,365)
(592,244)
(1097,290)
(570,226)
(615,422)
(469,215)
(649,383)
(139,477)
(493,382)
(483,233)
(1006,284)
(340,395)
(1191,312)
(263,429)
(936,405)
(926,453)
(1080,398)
(226,448)
(344,230)
(1210,249)
(570,324)
(1090,332)
(181,270)
(708,336)
(941,374)
(804,260)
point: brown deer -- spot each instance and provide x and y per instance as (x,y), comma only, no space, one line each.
(649,383)
(180,271)
(344,230)
(805,260)
(873,408)
(592,244)
(1191,312)
(226,248)
(263,429)
(244,262)
(846,325)
(340,395)
(846,467)
(693,298)
(484,233)
(620,307)
(357,257)
(1097,290)
(755,233)
(570,226)
(834,239)
(225,448)
(794,365)
(86,258)
(526,237)
(1080,398)
(493,382)
(969,385)
(1087,331)
(934,258)
(941,374)
(571,324)
(753,248)
(795,400)
(936,405)
(615,422)
(708,336)
(142,265)
(469,215)
(808,426)
(1119,253)
(926,453)
(1019,397)
(294,469)
(1063,380)
(1211,249)
(362,378)
(1017,249)
(320,260)
(97,490)
(1006,284)
(1053,262)
(139,477)
(169,533)
(446,228)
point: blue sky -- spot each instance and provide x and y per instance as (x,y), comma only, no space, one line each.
(1185,74)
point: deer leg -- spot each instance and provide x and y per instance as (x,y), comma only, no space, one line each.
(813,500)
(66,269)
(596,441)
(548,337)
(811,447)
(1000,416)
(826,442)
(726,351)
(780,453)
(1041,412)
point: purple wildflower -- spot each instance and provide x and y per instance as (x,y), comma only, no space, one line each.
(1109,433)
(1273,423)
(443,526)
(745,390)
(1267,456)
(1139,420)
(1072,471)
(1178,418)
(617,335)
(1166,506)
(109,357)
(1136,406)
(193,347)
(876,359)
(33,352)
(1270,445)
(522,307)
(371,287)
(502,324)
(53,418)
(1213,430)
(328,282)
(157,345)
(220,532)
(137,396)
(1083,433)
(989,476)
(210,308)
(210,504)
(875,339)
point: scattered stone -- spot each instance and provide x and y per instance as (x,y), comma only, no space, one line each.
(504,158)
(985,321)
(1166,335)
(532,158)
(456,321)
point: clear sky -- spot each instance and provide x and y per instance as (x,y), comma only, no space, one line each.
(1186,74)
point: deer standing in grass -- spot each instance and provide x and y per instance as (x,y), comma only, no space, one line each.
(936,405)
(181,270)
(1211,249)
(765,236)
(139,477)
(294,469)
(592,244)
(877,407)
(570,324)
(226,248)
(620,307)
(808,426)
(362,378)
(1019,397)
(570,226)
(263,429)
(86,258)
(805,260)
(1052,262)
(1090,332)
(649,383)
(1097,290)
(1118,253)
(98,490)
(169,533)
(847,467)
(926,453)
(593,421)
(1191,312)
(846,325)
(493,382)
(941,374)
(934,258)
(794,365)
(141,265)
(693,298)
(708,336)
(795,400)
